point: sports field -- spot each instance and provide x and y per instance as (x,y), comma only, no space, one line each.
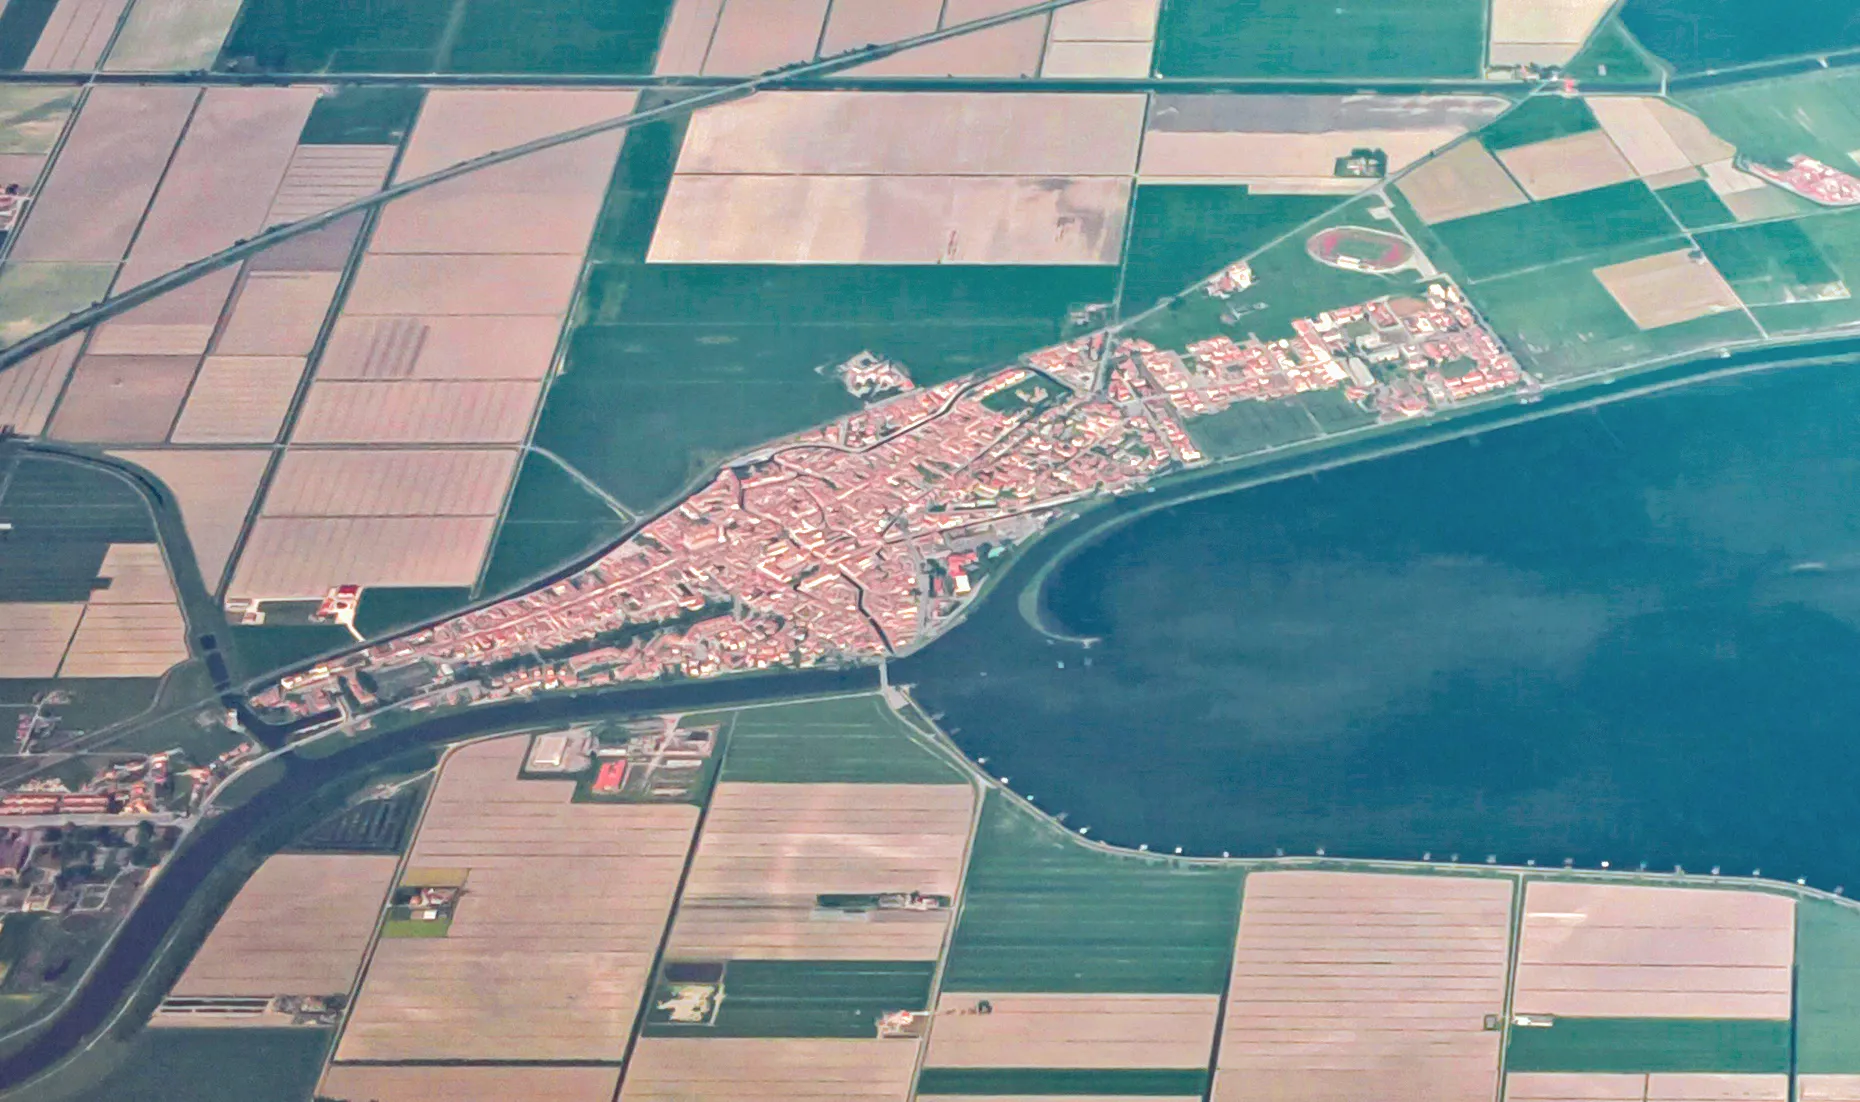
(1316,38)
(843,739)
(1042,911)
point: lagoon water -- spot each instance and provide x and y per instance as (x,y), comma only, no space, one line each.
(1630,634)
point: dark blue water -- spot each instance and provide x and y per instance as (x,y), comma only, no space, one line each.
(1627,635)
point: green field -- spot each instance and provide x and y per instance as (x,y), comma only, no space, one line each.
(447,36)
(363,115)
(1042,911)
(1561,322)
(65,518)
(1247,427)
(1836,237)
(34,295)
(1769,263)
(1614,56)
(1696,205)
(31,116)
(21,23)
(552,520)
(844,739)
(1181,234)
(1827,989)
(1363,39)
(1124,1082)
(811,998)
(383,610)
(1651,1045)
(1815,113)
(1538,119)
(198,1065)
(675,367)
(1533,235)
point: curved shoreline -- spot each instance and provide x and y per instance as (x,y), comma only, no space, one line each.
(1316,456)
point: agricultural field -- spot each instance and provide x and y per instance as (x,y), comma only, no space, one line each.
(611,872)
(407,36)
(1704,34)
(1295,38)
(850,739)
(1770,120)
(201,1065)
(1043,911)
(1614,56)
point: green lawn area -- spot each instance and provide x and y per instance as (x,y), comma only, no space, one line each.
(1651,1045)
(1042,911)
(418,36)
(412,927)
(1319,38)
(1538,119)
(1816,113)
(854,739)
(811,998)
(1247,427)
(1182,234)
(1827,991)
(1126,1082)
(1532,235)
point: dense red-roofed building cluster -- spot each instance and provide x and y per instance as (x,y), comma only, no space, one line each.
(1812,180)
(867,536)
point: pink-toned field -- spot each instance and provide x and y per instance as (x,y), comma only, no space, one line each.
(1073,1031)
(75,36)
(396,283)
(1658,1087)
(303,557)
(29,390)
(457,124)
(549,951)
(447,346)
(225,172)
(34,636)
(546,202)
(855,23)
(1359,985)
(106,174)
(1010,50)
(416,412)
(177,323)
(238,400)
(770,1069)
(277,314)
(753,36)
(471,1084)
(298,927)
(215,488)
(123,399)
(1622,951)
(324,177)
(389,482)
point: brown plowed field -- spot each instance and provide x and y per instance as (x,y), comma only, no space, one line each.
(550,949)
(1358,985)
(1624,951)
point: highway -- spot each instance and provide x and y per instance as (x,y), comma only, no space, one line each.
(704,97)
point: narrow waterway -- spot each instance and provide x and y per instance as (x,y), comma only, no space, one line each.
(1627,634)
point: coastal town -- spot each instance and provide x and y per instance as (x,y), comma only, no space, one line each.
(867,536)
